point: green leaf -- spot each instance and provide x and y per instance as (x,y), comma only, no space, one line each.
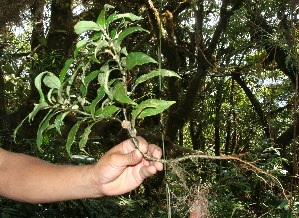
(120,95)
(150,107)
(100,96)
(71,136)
(102,18)
(52,81)
(107,112)
(42,127)
(38,85)
(66,67)
(154,73)
(138,58)
(87,80)
(37,107)
(101,21)
(83,26)
(49,96)
(129,31)
(113,17)
(103,78)
(18,127)
(79,45)
(59,121)
(85,135)
(101,45)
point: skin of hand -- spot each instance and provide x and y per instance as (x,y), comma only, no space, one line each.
(120,170)
(123,168)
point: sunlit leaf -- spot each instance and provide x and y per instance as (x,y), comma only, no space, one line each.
(155,73)
(114,17)
(52,81)
(83,26)
(138,58)
(37,107)
(150,107)
(129,31)
(107,111)
(66,67)
(102,19)
(38,85)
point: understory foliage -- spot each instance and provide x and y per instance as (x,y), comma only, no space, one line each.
(214,83)
(69,92)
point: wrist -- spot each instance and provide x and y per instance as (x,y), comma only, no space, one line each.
(95,182)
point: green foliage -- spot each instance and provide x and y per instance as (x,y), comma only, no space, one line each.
(106,49)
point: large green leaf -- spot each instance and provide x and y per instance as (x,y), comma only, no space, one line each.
(37,107)
(38,85)
(138,58)
(113,17)
(83,26)
(72,135)
(59,121)
(18,127)
(42,127)
(66,67)
(149,107)
(107,111)
(154,73)
(100,96)
(86,80)
(79,46)
(120,95)
(101,21)
(52,81)
(103,78)
(85,135)
(129,31)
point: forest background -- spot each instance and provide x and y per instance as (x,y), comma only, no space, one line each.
(236,114)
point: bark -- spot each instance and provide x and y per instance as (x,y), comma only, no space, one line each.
(61,34)
(37,11)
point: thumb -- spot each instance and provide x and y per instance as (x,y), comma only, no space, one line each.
(132,158)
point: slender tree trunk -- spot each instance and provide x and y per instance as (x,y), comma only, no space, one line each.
(218,102)
(228,140)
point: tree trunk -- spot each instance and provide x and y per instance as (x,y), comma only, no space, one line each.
(61,35)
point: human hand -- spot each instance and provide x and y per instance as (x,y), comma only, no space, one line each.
(123,168)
